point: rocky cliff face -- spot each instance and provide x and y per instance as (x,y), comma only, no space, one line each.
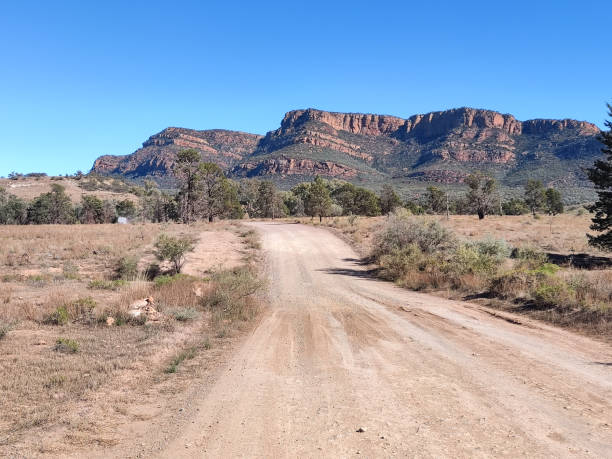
(434,147)
(290,166)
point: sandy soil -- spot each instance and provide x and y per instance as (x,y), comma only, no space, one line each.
(343,364)
(215,250)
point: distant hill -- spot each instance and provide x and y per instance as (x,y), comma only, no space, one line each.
(110,188)
(438,147)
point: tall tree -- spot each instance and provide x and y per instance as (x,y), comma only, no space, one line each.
(54,207)
(535,195)
(13,211)
(231,204)
(157,206)
(318,202)
(92,210)
(389,200)
(293,204)
(366,203)
(554,203)
(187,170)
(214,190)
(266,200)
(601,176)
(436,200)
(344,195)
(481,196)
(248,193)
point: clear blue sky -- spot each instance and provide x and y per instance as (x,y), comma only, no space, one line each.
(80,79)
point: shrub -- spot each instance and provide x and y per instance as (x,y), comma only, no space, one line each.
(552,293)
(106,285)
(497,249)
(152,271)
(398,263)
(230,296)
(529,257)
(58,317)
(467,259)
(126,268)
(400,231)
(67,345)
(81,307)
(4,329)
(184,314)
(174,249)
(77,309)
(162,281)
(511,284)
(479,257)
(545,270)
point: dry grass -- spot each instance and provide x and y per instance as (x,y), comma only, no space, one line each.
(29,188)
(48,387)
(580,299)
(564,233)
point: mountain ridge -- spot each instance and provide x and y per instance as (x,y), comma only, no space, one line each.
(442,146)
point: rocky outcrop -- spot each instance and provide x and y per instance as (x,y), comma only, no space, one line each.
(291,166)
(540,126)
(437,124)
(355,123)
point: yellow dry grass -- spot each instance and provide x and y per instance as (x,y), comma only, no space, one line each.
(565,233)
(29,188)
(80,396)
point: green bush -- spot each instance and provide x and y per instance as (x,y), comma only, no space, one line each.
(81,307)
(58,317)
(106,284)
(398,263)
(497,249)
(77,309)
(231,294)
(511,284)
(529,257)
(401,230)
(173,249)
(67,345)
(545,270)
(126,268)
(552,293)
(467,259)
(164,280)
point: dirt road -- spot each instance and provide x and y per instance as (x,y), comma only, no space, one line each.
(344,365)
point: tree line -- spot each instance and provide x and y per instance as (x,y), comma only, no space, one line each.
(205,193)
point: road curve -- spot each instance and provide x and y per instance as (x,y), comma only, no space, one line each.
(343,364)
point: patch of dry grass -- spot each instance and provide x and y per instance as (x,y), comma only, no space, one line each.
(564,233)
(576,298)
(46,384)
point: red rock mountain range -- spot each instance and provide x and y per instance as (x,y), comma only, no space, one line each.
(371,149)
